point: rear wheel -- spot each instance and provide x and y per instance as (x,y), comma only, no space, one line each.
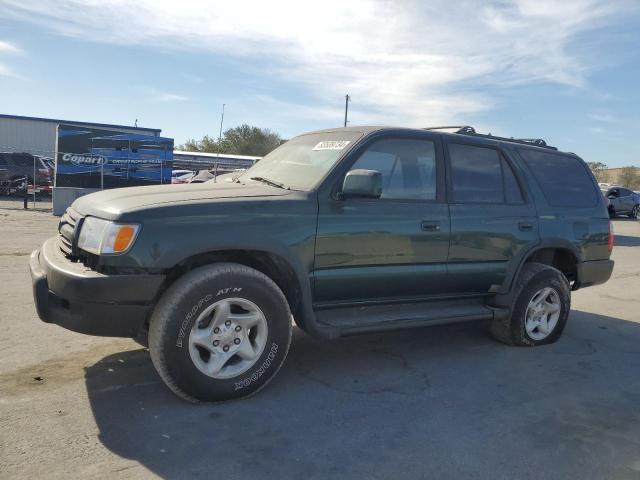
(540,309)
(220,332)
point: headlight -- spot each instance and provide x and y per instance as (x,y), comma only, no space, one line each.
(101,237)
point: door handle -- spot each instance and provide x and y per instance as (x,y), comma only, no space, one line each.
(525,226)
(430,226)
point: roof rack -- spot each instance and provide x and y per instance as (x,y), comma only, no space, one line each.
(469,130)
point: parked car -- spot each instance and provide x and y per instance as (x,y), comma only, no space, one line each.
(623,201)
(228,177)
(181,176)
(22,165)
(345,231)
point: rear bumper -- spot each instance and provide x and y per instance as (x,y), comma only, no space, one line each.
(594,272)
(80,299)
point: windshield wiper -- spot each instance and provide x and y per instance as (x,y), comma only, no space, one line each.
(269,182)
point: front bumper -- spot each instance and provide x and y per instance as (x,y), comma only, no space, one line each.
(594,272)
(83,300)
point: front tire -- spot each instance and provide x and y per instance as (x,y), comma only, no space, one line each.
(635,213)
(540,309)
(220,332)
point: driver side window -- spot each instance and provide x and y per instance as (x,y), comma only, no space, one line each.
(408,168)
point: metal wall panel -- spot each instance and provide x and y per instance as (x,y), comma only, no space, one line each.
(31,136)
(38,137)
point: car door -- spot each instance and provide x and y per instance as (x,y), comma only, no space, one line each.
(620,199)
(389,248)
(614,198)
(627,200)
(492,220)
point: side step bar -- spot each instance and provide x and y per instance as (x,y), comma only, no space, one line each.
(361,319)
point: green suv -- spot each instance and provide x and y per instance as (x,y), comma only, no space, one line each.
(343,231)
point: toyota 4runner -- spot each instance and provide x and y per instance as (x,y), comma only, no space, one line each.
(344,231)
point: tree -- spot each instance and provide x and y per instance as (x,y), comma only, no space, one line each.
(630,178)
(242,140)
(599,170)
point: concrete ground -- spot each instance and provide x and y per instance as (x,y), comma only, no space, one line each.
(441,402)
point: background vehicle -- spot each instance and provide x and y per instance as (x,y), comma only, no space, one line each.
(20,165)
(623,201)
(181,176)
(346,231)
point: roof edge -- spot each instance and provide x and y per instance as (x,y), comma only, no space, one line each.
(57,120)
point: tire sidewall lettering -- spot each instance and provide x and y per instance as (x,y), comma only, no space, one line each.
(184,325)
(261,370)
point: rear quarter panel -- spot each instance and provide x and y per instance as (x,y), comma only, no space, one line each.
(583,230)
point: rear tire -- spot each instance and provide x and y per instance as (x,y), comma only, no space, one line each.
(220,332)
(540,309)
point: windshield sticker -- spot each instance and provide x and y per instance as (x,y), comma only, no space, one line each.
(332,145)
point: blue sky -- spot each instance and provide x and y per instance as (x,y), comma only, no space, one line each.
(565,71)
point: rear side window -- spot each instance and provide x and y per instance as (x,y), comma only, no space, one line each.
(564,180)
(22,160)
(481,175)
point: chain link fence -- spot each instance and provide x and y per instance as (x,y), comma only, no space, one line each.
(32,175)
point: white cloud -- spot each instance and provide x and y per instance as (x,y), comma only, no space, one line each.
(9,48)
(602,117)
(6,47)
(409,62)
(154,95)
(5,71)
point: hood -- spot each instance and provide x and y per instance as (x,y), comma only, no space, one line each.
(112,203)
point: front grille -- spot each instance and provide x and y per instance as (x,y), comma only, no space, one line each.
(67,231)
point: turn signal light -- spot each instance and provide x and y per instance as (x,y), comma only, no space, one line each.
(123,238)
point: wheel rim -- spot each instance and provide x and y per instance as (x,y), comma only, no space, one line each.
(228,338)
(543,313)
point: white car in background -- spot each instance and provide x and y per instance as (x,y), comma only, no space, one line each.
(181,176)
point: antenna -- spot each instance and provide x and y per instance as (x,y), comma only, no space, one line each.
(346,108)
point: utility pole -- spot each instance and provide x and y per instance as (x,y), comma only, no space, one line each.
(215,170)
(346,108)
(221,121)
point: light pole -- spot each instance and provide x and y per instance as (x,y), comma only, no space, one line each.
(346,108)
(221,121)
(215,171)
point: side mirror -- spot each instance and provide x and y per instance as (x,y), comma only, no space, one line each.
(611,197)
(362,183)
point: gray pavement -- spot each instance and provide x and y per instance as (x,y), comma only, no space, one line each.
(442,402)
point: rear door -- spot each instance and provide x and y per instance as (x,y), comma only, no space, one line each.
(492,219)
(390,248)
(621,199)
(627,199)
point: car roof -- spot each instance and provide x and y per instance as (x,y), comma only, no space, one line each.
(479,138)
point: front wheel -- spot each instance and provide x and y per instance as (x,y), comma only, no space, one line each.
(540,309)
(635,213)
(220,332)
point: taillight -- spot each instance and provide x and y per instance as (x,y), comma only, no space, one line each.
(610,241)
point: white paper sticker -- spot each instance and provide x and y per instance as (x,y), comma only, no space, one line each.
(332,145)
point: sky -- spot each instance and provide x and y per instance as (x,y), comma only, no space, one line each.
(565,71)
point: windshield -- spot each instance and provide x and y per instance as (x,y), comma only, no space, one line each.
(303,161)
